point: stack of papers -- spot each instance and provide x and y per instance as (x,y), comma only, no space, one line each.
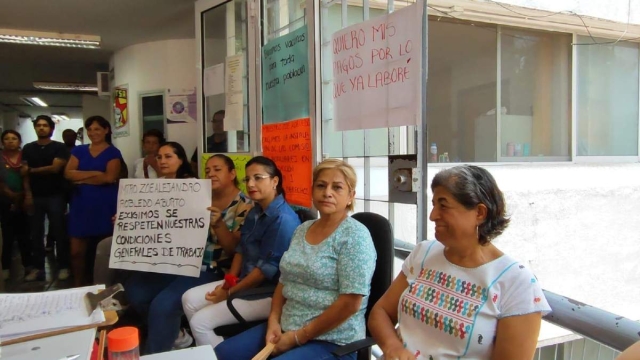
(36,313)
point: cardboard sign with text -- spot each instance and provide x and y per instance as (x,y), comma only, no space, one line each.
(289,145)
(285,73)
(161,225)
(377,69)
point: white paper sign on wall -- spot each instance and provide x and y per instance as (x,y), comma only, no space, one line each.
(377,68)
(161,225)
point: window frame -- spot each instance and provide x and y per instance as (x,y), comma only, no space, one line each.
(586,159)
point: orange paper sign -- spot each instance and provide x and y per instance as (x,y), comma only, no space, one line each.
(289,145)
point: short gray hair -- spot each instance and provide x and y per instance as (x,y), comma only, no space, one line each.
(472,185)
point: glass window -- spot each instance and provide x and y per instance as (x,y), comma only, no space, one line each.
(153,112)
(224,34)
(281,17)
(607,101)
(461,94)
(535,109)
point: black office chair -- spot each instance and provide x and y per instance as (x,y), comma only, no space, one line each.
(261,292)
(382,235)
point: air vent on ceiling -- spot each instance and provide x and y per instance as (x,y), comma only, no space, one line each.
(103,84)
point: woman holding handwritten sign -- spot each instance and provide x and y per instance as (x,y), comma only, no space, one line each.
(265,236)
(323,292)
(158,296)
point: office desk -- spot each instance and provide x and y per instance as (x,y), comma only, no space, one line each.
(52,347)
(204,352)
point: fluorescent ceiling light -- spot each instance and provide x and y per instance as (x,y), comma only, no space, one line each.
(34,101)
(60,117)
(51,39)
(64,86)
(39,102)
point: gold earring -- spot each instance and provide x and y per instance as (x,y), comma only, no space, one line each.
(477,233)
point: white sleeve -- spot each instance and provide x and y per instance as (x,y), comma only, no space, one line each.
(413,263)
(138,171)
(522,294)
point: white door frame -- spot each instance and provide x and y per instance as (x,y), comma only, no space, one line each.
(255,116)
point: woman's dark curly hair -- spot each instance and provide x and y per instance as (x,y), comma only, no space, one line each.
(470,186)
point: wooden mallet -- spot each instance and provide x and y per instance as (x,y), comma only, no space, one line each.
(264,353)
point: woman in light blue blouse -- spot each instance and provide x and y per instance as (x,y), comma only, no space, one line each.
(320,301)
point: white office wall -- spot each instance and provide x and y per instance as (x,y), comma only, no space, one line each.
(153,66)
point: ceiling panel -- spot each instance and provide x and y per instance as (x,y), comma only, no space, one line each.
(119,23)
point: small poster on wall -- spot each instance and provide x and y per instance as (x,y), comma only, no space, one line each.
(181,106)
(234,101)
(120,112)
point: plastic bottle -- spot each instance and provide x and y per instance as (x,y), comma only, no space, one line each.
(518,150)
(123,344)
(434,152)
(511,149)
(446,157)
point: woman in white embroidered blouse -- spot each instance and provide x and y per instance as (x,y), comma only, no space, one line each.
(460,296)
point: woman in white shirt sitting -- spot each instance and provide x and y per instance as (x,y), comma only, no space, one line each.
(147,167)
(459,296)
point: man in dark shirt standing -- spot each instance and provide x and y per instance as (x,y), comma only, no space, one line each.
(69,138)
(45,196)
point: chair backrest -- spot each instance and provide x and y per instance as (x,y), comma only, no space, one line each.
(382,235)
(305,215)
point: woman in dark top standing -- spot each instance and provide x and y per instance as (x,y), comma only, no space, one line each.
(94,169)
(15,223)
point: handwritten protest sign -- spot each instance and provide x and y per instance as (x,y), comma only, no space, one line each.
(289,145)
(285,73)
(377,71)
(161,225)
(239,161)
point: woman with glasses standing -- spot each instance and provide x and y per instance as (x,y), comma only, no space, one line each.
(265,236)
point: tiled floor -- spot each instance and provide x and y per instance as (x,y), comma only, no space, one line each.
(16,283)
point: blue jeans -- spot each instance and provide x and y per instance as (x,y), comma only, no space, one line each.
(53,207)
(159,298)
(248,344)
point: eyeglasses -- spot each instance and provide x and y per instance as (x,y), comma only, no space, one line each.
(255,178)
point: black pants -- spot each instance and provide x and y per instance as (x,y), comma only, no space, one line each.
(53,207)
(15,228)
